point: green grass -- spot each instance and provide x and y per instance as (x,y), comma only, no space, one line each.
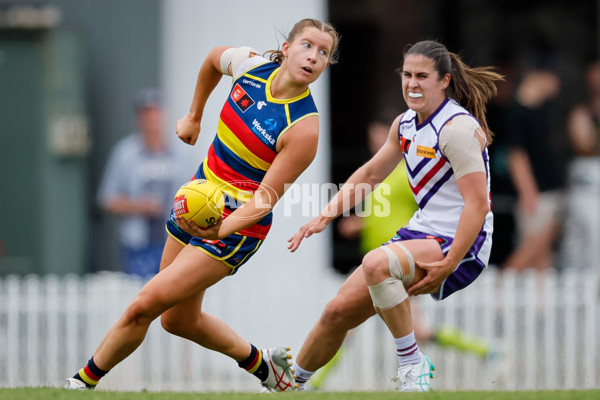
(60,394)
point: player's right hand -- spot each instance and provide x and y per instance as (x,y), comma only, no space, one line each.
(315,226)
(188,129)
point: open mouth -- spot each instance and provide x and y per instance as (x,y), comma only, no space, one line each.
(307,70)
(414,95)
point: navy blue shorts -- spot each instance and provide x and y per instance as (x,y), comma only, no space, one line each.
(467,271)
(233,251)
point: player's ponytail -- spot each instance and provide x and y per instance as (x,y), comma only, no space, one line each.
(472,88)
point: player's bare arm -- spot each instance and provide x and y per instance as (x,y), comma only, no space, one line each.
(188,127)
(464,151)
(298,150)
(373,172)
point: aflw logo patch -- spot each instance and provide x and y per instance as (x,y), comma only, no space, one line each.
(241,98)
(405,144)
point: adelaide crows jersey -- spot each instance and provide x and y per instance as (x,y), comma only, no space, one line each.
(250,124)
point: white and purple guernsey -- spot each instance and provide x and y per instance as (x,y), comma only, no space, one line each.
(433,183)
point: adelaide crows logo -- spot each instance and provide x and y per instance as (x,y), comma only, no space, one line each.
(241,98)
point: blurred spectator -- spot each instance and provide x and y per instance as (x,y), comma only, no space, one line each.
(535,169)
(503,191)
(580,247)
(140,179)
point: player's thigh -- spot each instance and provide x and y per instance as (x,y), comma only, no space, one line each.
(172,248)
(188,275)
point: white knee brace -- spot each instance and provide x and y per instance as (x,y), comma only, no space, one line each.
(395,265)
(391,291)
(388,293)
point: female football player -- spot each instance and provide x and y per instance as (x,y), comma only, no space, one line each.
(266,137)
(443,138)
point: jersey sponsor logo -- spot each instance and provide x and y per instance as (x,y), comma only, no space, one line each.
(405,126)
(256,127)
(261,104)
(251,83)
(180,205)
(241,98)
(427,152)
(271,124)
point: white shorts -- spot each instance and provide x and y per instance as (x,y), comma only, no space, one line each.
(550,210)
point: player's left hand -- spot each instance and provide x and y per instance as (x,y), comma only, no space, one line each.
(210,233)
(437,272)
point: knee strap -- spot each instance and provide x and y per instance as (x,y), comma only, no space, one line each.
(395,266)
(388,293)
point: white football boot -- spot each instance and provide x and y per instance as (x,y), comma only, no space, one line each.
(281,374)
(74,384)
(415,377)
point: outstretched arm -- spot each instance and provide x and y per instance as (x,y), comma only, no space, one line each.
(371,173)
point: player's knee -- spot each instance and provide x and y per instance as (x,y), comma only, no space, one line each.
(141,311)
(375,266)
(394,260)
(171,324)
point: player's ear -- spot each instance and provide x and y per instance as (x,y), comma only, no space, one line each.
(446,81)
(285,48)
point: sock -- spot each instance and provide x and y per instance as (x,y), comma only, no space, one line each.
(255,364)
(407,350)
(302,375)
(90,374)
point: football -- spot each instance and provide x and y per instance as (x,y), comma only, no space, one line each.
(200,201)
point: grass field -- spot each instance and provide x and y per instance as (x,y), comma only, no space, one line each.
(60,394)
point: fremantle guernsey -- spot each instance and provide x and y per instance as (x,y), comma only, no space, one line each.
(431,177)
(250,124)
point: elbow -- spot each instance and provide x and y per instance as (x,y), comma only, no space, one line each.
(480,207)
(483,207)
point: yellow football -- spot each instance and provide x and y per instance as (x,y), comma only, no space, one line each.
(200,201)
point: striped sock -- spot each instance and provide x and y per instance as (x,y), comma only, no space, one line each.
(407,350)
(90,374)
(255,364)
(302,375)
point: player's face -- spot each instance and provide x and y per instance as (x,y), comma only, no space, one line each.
(422,87)
(308,55)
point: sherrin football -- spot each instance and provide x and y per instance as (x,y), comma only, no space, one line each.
(200,201)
